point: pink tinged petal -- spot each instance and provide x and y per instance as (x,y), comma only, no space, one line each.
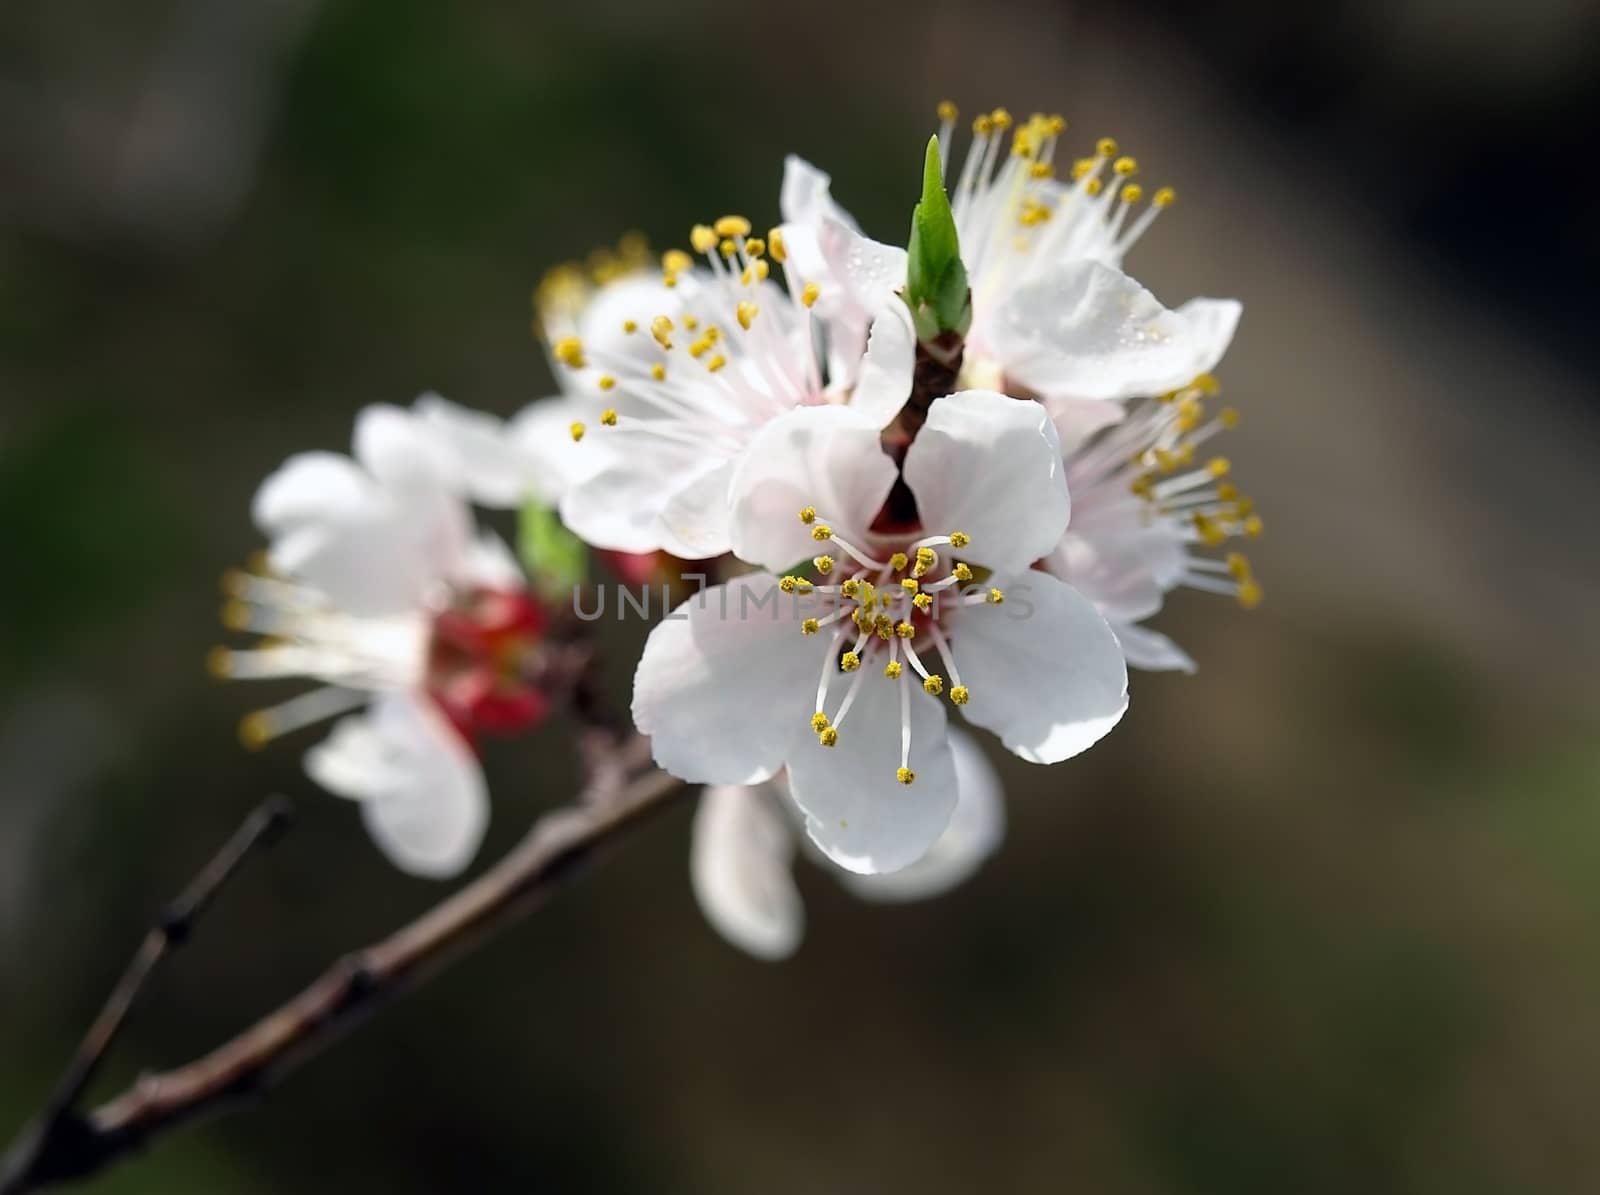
(1114,572)
(857,813)
(741,859)
(975,832)
(484,459)
(824,457)
(726,682)
(694,521)
(422,793)
(990,466)
(1078,420)
(806,195)
(1089,331)
(1151,650)
(1044,670)
(884,381)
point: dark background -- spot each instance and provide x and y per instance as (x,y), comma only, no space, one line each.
(1324,918)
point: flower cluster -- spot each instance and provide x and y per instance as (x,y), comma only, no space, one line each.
(951,480)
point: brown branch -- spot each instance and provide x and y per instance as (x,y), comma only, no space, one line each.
(623,792)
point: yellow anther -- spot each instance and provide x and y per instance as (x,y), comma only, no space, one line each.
(691,321)
(732,226)
(1093,187)
(1249,594)
(608,417)
(819,722)
(569,351)
(808,515)
(1227,492)
(1125,166)
(810,627)
(996,597)
(1082,167)
(1218,466)
(676,261)
(905,630)
(821,532)
(1165,197)
(607,382)
(255,731)
(961,572)
(703,238)
(1228,417)
(713,333)
(850,587)
(577,429)
(849,662)
(630,326)
(823,564)
(923,602)
(1238,564)
(716,363)
(1041,170)
(829,737)
(884,626)
(1055,124)
(746,314)
(948,111)
(1206,383)
(1132,193)
(700,347)
(1242,507)
(933,684)
(670,281)
(659,372)
(905,776)
(775,246)
(1253,527)
(788,584)
(898,561)
(910,584)
(727,248)
(1211,534)
(1143,485)
(893,669)
(756,271)
(982,126)
(925,560)
(809,293)
(755,247)
(661,329)
(959,539)
(959,695)
(219,662)
(1190,412)
(1106,147)
(1001,119)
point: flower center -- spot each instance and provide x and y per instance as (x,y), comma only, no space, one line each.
(875,615)
(482,659)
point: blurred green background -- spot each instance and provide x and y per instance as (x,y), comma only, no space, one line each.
(1324,918)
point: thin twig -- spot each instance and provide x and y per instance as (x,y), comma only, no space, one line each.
(619,798)
(58,1124)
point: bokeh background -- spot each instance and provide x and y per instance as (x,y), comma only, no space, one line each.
(1324,918)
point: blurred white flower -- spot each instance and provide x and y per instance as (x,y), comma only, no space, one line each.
(375,584)
(738,683)
(1052,313)
(744,842)
(667,378)
(1144,511)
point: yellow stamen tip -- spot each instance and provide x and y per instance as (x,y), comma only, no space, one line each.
(905,776)
(659,372)
(676,261)
(948,111)
(893,669)
(235,615)
(1249,594)
(776,248)
(1125,166)
(996,597)
(219,662)
(755,247)
(1132,193)
(850,587)
(821,532)
(607,382)
(960,695)
(569,351)
(819,722)
(577,430)
(934,684)
(910,584)
(959,539)
(1218,466)
(732,226)
(746,313)
(828,737)
(1228,417)
(898,561)
(962,572)
(1253,527)
(823,564)
(716,363)
(810,627)
(849,662)
(703,238)
(608,417)
(809,293)
(905,630)
(1106,147)
(923,602)
(255,731)
(1165,197)
(1001,119)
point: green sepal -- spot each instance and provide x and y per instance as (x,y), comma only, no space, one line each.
(937,290)
(555,560)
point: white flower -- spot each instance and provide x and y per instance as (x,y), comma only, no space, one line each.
(1144,508)
(1053,315)
(738,683)
(376,586)
(669,377)
(742,853)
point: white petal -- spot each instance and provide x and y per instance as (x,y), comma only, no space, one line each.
(1118,572)
(490,564)
(857,812)
(1089,331)
(548,459)
(620,507)
(485,463)
(806,195)
(1078,420)
(312,487)
(741,860)
(1151,650)
(884,381)
(726,682)
(974,833)
(990,466)
(694,523)
(1045,672)
(397,448)
(422,791)
(824,457)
